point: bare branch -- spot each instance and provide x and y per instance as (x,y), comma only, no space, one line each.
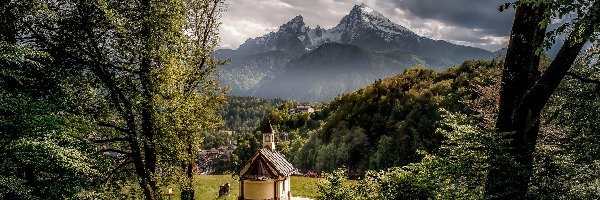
(545,86)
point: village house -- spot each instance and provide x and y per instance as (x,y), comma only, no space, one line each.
(266,175)
(301,109)
(223,152)
(208,157)
(283,136)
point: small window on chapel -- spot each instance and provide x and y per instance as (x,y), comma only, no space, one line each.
(267,138)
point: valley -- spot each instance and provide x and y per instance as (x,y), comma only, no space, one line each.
(301,63)
(298,100)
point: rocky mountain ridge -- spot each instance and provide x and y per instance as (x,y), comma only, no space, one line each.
(264,66)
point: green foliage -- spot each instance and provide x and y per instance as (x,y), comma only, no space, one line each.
(383,125)
(215,139)
(56,161)
(341,149)
(46,153)
(137,78)
(527,87)
(299,127)
(456,171)
(335,187)
(567,161)
(395,183)
(243,114)
(385,156)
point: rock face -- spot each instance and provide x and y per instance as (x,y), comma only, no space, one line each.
(267,66)
(369,29)
(333,69)
(363,27)
(291,37)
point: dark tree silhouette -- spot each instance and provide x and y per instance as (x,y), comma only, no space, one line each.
(525,91)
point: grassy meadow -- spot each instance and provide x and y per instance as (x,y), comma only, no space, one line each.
(207,187)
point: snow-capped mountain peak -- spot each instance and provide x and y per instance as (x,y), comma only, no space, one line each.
(295,25)
(314,63)
(363,15)
(362,8)
(362,26)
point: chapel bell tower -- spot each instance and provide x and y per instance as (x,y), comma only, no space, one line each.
(268,136)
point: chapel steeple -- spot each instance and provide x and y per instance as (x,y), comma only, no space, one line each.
(268,136)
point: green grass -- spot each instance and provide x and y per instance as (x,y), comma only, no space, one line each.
(207,187)
(304,186)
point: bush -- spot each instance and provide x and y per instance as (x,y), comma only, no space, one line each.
(334,186)
(455,171)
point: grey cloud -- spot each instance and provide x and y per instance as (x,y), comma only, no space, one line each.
(274,13)
(326,13)
(243,16)
(470,22)
(474,14)
(461,35)
(264,12)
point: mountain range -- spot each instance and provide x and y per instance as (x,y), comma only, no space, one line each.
(316,64)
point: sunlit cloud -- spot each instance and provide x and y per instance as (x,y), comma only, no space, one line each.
(479,25)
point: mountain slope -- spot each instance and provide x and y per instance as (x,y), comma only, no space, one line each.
(290,37)
(290,63)
(383,124)
(366,28)
(334,69)
(246,71)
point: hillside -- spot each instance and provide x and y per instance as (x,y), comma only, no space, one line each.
(242,114)
(333,69)
(378,126)
(246,72)
(383,124)
(278,64)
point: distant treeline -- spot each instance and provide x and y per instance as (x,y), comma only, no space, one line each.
(377,127)
(243,114)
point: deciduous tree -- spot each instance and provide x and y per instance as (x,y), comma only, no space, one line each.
(140,70)
(526,89)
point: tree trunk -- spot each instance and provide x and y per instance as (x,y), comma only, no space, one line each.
(519,74)
(8,32)
(188,192)
(524,95)
(148,130)
(143,176)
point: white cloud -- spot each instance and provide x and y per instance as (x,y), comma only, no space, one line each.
(235,32)
(248,19)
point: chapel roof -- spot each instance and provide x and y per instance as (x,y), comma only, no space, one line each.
(266,164)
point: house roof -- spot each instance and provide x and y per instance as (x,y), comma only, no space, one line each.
(266,164)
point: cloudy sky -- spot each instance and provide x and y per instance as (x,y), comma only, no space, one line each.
(475,23)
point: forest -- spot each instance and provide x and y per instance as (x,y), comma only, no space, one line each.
(98,96)
(105,99)
(243,114)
